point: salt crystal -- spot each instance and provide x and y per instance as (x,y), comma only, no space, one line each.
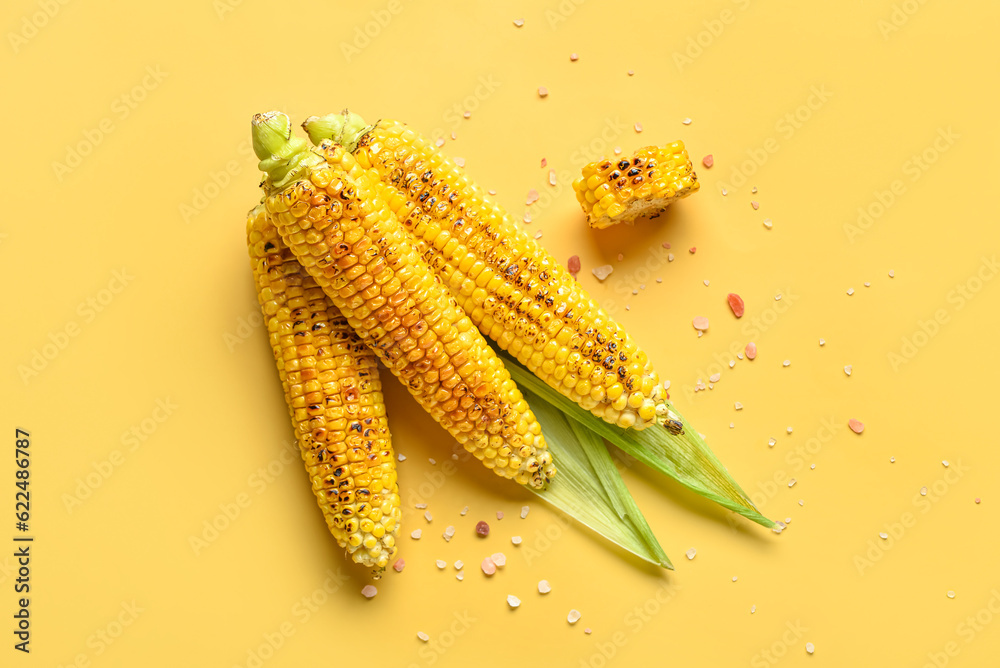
(603,271)
(369,591)
(573,617)
(513,601)
(524,511)
(691,553)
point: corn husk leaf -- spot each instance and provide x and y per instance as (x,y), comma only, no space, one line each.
(685,457)
(589,487)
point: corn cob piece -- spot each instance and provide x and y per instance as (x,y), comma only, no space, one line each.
(515,292)
(326,209)
(334,397)
(643,185)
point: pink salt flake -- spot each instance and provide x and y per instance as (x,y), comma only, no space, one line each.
(700,323)
(751,351)
(857,426)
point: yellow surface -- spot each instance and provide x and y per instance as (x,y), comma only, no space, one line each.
(129,263)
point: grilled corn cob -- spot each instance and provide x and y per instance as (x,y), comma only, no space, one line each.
(514,291)
(326,209)
(619,191)
(334,397)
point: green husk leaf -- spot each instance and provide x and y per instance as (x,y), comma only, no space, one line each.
(582,490)
(614,487)
(685,457)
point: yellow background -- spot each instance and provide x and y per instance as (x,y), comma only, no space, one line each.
(160,190)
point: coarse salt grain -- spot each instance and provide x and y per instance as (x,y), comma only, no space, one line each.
(423,636)
(543,91)
(883,535)
(401,457)
(524,511)
(460,576)
(428,516)
(951,594)
(499,514)
(399,565)
(755,205)
(788,430)
(415,534)
(544,587)
(488,566)
(686,121)
(771,442)
(459,565)
(419,506)
(708,161)
(848,369)
(603,271)
(573,617)
(944,463)
(638,127)
(822,342)
(768,224)
(518,22)
(441,563)
(516,540)
(738,406)
(573,57)
(791,483)
(810,648)
(786,363)
(715,377)
(850,291)
(552,177)
(857,426)
(460,162)
(463,511)
(369,591)
(691,553)
(499,558)
(923,491)
(751,351)
(513,601)
(700,323)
